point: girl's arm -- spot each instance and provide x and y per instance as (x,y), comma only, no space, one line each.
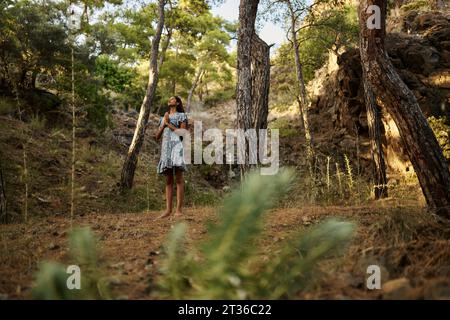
(161,127)
(159,132)
(172,127)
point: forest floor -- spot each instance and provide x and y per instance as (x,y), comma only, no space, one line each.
(412,250)
(409,244)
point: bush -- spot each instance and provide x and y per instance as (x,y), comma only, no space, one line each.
(51,277)
(442,131)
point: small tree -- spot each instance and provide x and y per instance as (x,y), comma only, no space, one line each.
(129,166)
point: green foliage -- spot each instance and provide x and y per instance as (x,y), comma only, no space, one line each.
(284,125)
(94,101)
(292,269)
(52,277)
(7,105)
(111,51)
(441,130)
(416,5)
(333,180)
(222,268)
(32,41)
(177,264)
(336,28)
(200,43)
(115,77)
(51,283)
(220,96)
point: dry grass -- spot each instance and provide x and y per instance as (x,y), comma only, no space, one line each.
(404,241)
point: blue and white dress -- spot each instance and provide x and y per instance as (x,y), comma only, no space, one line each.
(172,152)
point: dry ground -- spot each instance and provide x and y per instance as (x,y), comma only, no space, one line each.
(130,243)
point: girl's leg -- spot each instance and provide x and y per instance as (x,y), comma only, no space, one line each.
(180,191)
(169,194)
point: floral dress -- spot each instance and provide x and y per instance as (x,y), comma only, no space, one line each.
(172,153)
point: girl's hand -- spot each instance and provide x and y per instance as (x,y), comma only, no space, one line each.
(166,119)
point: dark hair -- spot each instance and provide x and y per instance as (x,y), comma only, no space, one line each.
(180,107)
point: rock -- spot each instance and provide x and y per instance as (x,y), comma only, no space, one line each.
(396,289)
(132,113)
(392,182)
(118,265)
(53,246)
(422,60)
(115,282)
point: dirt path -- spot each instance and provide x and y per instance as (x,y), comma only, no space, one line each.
(130,243)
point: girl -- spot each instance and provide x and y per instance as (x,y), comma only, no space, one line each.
(172,154)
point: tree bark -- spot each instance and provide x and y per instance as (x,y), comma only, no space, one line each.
(129,166)
(260,82)
(303,101)
(397,99)
(192,89)
(374,122)
(3,206)
(247,17)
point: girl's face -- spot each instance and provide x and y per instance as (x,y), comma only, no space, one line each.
(172,102)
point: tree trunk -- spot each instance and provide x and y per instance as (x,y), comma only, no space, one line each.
(174,79)
(162,56)
(260,82)
(192,89)
(303,101)
(3,207)
(374,123)
(200,90)
(246,29)
(397,99)
(129,166)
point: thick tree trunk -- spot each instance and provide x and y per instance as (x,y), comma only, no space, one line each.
(374,122)
(303,101)
(129,166)
(247,16)
(397,99)
(192,89)
(260,82)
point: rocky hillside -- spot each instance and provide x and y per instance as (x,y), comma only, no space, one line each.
(419,48)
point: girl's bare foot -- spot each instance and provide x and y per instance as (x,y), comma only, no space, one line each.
(178,214)
(164,215)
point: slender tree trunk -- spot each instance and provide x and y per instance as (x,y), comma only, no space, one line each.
(129,166)
(174,79)
(200,88)
(393,95)
(162,54)
(374,123)
(3,203)
(303,102)
(260,82)
(247,17)
(193,87)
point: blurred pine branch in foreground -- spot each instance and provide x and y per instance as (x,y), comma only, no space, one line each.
(51,279)
(225,266)
(222,268)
